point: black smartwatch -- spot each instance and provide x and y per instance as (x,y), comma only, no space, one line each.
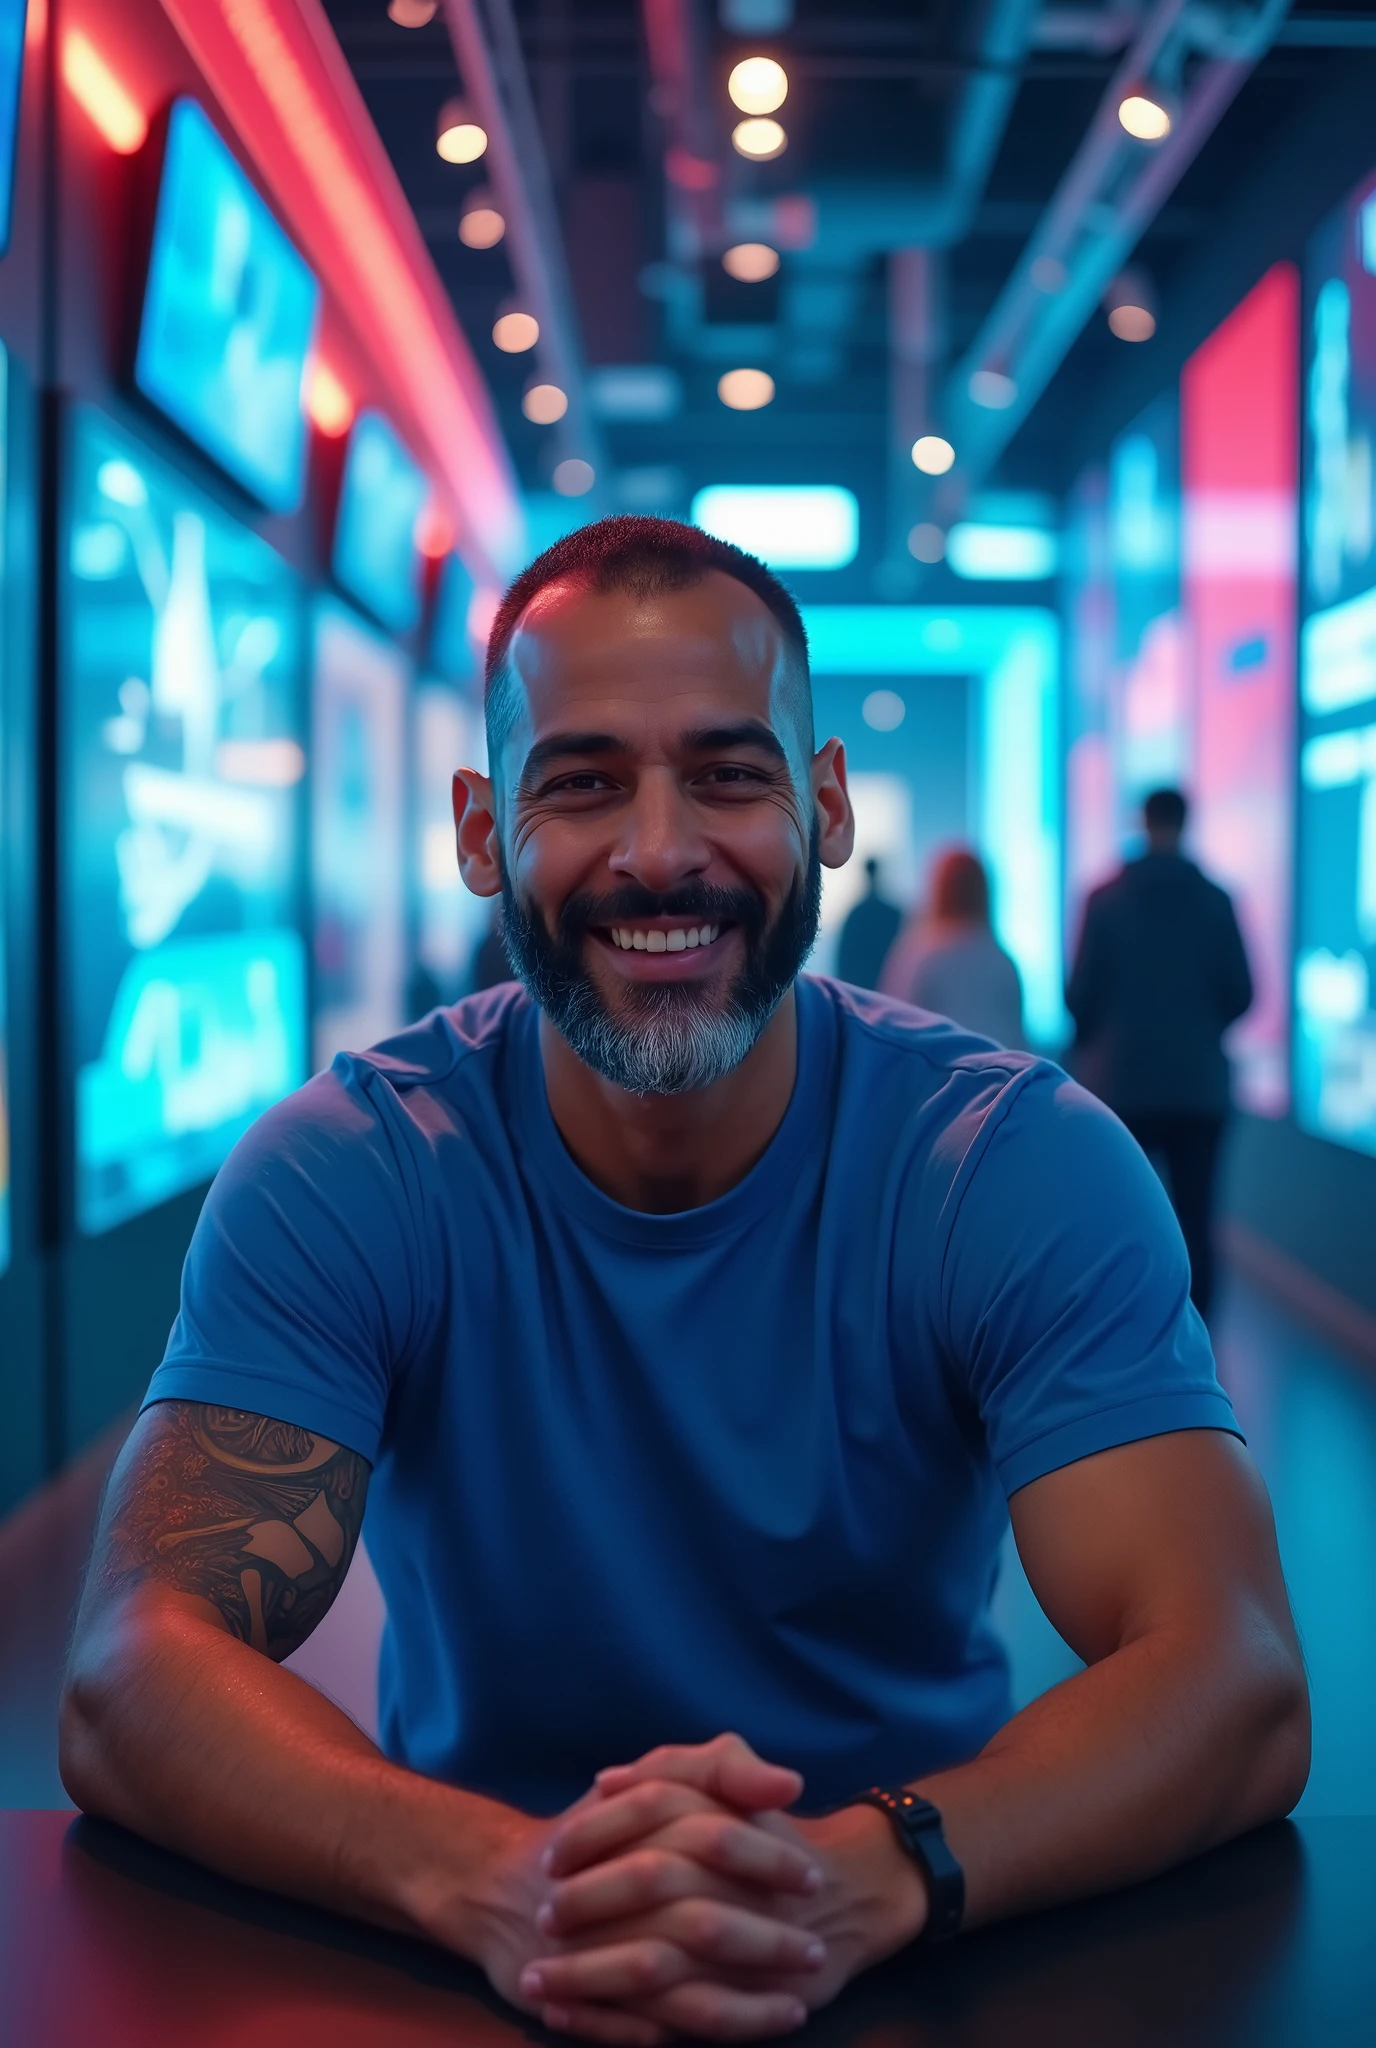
(917,1825)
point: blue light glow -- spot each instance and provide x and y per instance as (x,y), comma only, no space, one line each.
(1001,554)
(380,499)
(13,14)
(789,526)
(228,316)
(182,765)
(1012,654)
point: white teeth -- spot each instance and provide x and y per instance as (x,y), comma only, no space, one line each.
(677,941)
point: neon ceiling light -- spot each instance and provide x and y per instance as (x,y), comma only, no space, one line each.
(789,526)
(284,84)
(1012,654)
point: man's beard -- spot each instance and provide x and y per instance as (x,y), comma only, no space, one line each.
(674,1036)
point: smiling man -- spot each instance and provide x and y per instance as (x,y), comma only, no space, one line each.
(700,1326)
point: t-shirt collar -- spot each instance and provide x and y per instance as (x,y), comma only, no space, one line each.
(763,1187)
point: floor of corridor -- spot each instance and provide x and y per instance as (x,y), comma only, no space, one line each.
(1310,1418)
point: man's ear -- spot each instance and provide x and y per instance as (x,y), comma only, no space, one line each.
(835,818)
(475,833)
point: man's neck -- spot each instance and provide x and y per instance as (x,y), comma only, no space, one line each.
(662,1153)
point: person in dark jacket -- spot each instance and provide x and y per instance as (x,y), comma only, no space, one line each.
(1160,974)
(867,934)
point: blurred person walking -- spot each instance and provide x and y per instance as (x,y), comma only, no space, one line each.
(867,934)
(1160,973)
(948,959)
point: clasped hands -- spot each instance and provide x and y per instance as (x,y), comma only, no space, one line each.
(678,1897)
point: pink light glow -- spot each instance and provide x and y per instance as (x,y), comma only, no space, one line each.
(279,73)
(1239,448)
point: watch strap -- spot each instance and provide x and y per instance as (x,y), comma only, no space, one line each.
(917,1824)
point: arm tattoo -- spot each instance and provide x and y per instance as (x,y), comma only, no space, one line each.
(256,1516)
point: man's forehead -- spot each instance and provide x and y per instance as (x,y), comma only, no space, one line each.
(659,658)
(716,624)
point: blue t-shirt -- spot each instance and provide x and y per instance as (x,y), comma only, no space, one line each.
(642,1478)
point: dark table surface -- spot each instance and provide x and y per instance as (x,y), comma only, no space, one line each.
(107,1943)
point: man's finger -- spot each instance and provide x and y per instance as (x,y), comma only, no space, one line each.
(717,2012)
(589,1834)
(679,1817)
(632,1969)
(721,1931)
(610,2023)
(728,1768)
(742,1850)
(638,1883)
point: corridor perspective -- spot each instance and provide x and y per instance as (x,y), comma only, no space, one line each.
(688,1021)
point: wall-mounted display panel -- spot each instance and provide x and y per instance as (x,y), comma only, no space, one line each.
(229,315)
(358,834)
(1335,937)
(1092,826)
(447,733)
(4,846)
(1240,448)
(381,497)
(453,653)
(1151,680)
(184,966)
(13,19)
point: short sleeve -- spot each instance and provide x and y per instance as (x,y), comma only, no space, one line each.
(1065,1287)
(302,1287)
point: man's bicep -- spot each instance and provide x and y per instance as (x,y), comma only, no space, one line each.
(1175,1530)
(258,1518)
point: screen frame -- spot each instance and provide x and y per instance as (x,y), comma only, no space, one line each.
(398,626)
(64,1170)
(155,160)
(9,162)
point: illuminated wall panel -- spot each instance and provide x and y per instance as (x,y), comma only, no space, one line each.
(358,834)
(181,817)
(1240,458)
(1335,935)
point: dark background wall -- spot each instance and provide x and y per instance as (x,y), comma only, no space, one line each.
(1314,1200)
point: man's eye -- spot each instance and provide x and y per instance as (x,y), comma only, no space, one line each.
(580,784)
(729,771)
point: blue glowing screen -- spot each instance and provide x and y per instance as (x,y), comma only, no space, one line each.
(182,827)
(4,1048)
(452,652)
(381,498)
(359,828)
(229,314)
(12,19)
(1335,937)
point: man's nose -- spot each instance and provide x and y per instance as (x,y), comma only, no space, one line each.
(660,843)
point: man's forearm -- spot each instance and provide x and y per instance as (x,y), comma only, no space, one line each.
(1164,1748)
(174,1729)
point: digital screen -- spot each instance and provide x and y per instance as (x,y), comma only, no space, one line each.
(4,844)
(453,654)
(448,733)
(1335,910)
(1093,837)
(13,15)
(1151,679)
(229,315)
(1240,435)
(358,834)
(181,827)
(382,495)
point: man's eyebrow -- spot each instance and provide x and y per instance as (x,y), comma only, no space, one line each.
(560,746)
(752,732)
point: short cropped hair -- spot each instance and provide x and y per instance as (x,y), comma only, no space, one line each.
(1165,810)
(648,558)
